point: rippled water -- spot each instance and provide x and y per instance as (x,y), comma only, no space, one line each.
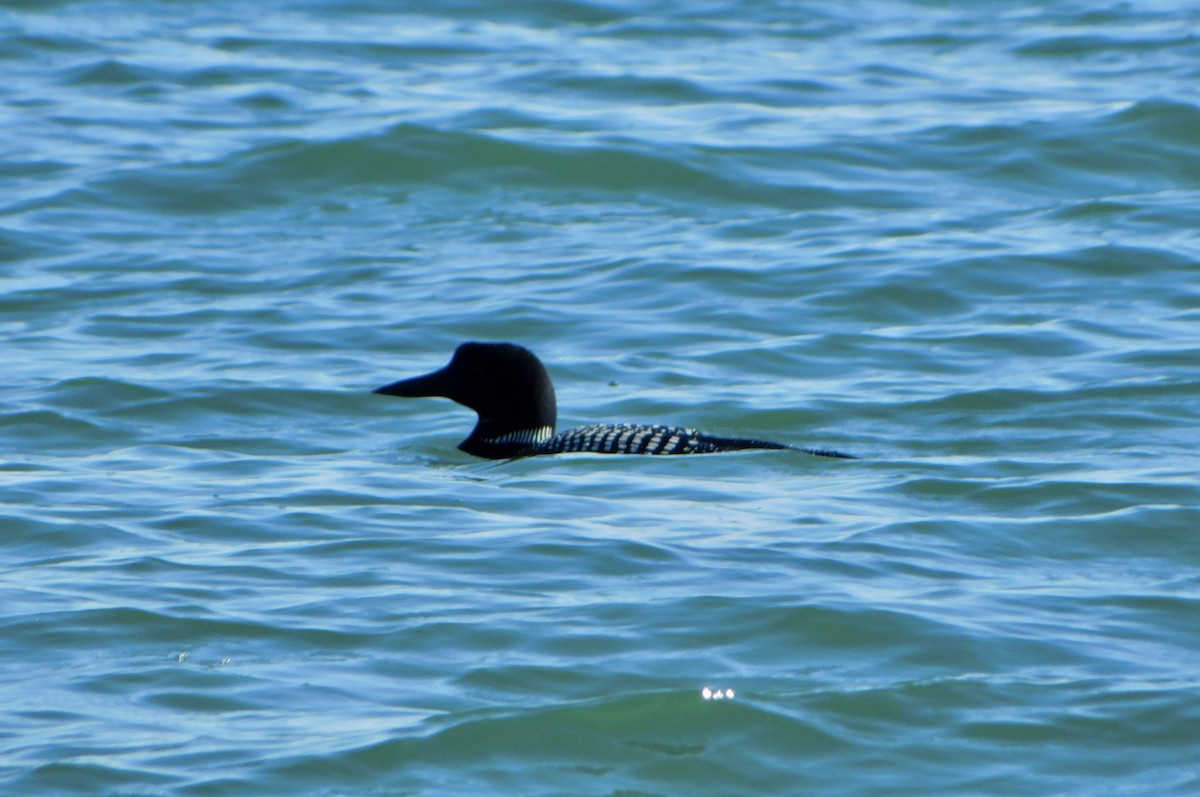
(958,240)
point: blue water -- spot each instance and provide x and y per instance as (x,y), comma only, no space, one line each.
(958,240)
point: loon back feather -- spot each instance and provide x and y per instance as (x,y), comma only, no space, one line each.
(511,392)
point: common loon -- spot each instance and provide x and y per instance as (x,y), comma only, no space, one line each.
(509,389)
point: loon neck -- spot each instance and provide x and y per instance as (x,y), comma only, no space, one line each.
(495,441)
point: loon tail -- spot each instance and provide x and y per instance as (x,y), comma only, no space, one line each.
(740,444)
(825,452)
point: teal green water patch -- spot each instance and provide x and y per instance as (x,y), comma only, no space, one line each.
(109,73)
(420,157)
(559,748)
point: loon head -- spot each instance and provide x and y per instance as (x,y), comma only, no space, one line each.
(505,384)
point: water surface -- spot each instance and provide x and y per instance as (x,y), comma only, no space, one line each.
(957,241)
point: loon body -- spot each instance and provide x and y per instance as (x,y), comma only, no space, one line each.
(510,390)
